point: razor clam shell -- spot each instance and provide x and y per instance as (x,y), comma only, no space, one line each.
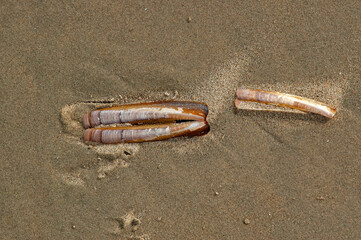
(145,133)
(154,112)
(284,100)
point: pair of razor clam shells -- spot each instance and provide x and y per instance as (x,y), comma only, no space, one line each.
(163,120)
(153,121)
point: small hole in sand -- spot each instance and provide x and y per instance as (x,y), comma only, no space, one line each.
(135,222)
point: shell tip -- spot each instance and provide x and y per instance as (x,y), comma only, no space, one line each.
(86,120)
(88,135)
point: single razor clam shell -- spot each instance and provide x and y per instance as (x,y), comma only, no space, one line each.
(153,112)
(145,133)
(284,100)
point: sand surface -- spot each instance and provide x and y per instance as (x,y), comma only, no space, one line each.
(255,175)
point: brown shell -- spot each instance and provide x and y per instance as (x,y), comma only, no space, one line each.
(146,133)
(158,121)
(154,112)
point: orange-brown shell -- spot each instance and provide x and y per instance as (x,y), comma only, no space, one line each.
(146,133)
(158,121)
(154,112)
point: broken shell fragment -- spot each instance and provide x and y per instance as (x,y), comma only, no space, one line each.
(284,100)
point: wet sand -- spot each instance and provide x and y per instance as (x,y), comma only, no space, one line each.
(255,175)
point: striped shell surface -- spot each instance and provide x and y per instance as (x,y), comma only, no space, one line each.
(154,121)
(284,100)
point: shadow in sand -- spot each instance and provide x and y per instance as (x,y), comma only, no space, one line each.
(282,115)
